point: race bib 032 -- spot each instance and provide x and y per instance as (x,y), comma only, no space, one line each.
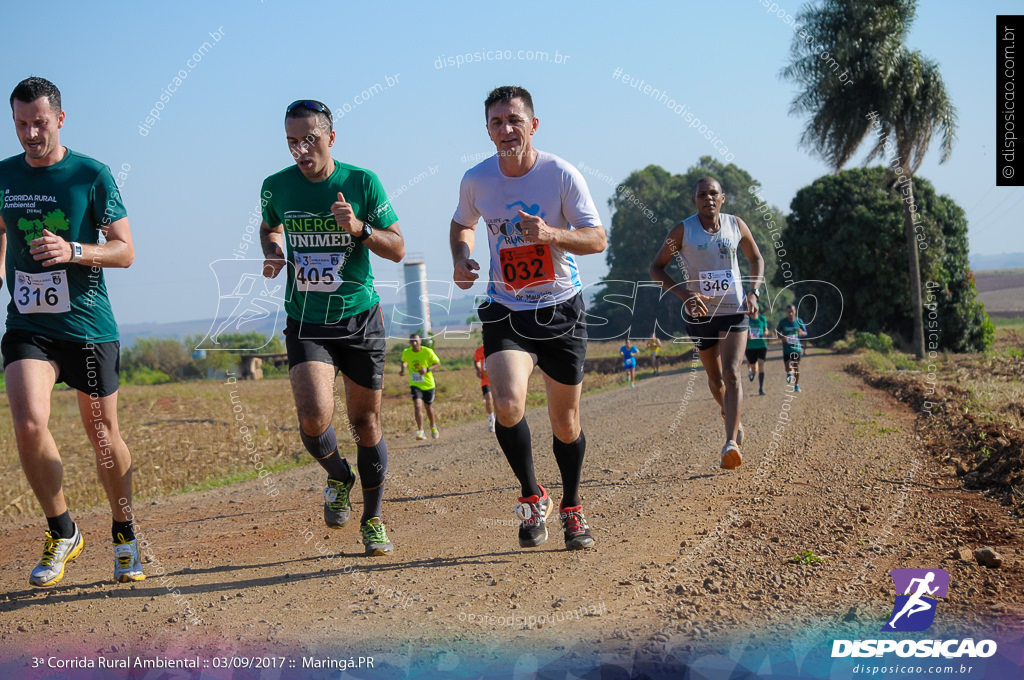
(527,265)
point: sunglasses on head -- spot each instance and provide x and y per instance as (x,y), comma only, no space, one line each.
(312,105)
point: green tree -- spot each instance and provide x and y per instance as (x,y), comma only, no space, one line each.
(883,85)
(56,221)
(646,206)
(167,355)
(230,347)
(849,227)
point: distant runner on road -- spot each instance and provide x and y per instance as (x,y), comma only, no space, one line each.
(320,224)
(539,217)
(421,362)
(629,352)
(757,348)
(480,364)
(61,221)
(714,302)
(654,347)
(791,329)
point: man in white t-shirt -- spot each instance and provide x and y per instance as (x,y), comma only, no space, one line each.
(539,216)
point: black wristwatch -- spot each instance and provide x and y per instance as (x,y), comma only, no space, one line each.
(366,233)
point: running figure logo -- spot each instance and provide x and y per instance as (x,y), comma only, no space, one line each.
(915,608)
(254,303)
(513,226)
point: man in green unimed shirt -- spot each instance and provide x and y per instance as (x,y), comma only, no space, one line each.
(321,220)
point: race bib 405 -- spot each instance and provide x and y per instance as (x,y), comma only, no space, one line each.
(318,272)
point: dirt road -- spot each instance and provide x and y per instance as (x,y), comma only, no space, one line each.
(688,557)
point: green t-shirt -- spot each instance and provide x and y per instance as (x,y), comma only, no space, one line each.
(329,276)
(757,333)
(418,363)
(790,336)
(73,199)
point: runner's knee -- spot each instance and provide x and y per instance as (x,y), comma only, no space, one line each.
(314,424)
(366,426)
(566,427)
(30,429)
(509,408)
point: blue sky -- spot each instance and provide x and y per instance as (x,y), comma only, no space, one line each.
(194,179)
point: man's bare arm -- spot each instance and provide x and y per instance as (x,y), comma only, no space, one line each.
(462,239)
(272,244)
(387,243)
(118,251)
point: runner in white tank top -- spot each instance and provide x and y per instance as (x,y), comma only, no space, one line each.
(705,246)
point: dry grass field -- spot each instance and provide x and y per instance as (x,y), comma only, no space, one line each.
(1002,291)
(186,436)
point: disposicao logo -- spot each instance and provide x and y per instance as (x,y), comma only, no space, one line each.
(914,611)
(915,608)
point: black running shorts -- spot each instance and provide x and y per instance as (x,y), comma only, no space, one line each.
(756,354)
(355,346)
(704,331)
(419,394)
(89,367)
(556,335)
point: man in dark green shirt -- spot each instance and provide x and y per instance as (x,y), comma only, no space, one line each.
(321,220)
(62,221)
(757,348)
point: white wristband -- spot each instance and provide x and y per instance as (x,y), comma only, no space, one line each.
(76,251)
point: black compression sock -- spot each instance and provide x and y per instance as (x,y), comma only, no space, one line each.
(61,526)
(516,445)
(570,463)
(760,380)
(125,529)
(373,468)
(324,448)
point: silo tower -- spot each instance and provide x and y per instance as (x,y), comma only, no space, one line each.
(416,303)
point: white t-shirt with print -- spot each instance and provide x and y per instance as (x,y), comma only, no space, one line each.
(525,275)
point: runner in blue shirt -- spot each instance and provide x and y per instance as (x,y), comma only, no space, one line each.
(629,352)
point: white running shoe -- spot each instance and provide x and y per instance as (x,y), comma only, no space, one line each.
(731,457)
(127,563)
(56,554)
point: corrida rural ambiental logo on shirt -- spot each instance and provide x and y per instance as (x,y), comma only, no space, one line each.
(56,221)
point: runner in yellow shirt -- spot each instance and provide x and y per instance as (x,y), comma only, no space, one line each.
(421,362)
(653,347)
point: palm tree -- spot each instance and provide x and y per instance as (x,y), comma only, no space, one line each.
(884,91)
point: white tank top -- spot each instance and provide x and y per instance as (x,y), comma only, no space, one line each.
(711,265)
